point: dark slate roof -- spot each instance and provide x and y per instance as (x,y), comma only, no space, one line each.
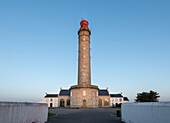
(116,95)
(51,95)
(125,99)
(103,92)
(64,92)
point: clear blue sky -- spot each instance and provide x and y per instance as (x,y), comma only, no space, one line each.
(130,46)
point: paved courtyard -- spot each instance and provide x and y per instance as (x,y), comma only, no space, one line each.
(100,115)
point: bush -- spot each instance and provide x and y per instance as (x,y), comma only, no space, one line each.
(118,112)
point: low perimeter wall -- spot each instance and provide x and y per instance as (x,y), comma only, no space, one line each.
(157,112)
(11,112)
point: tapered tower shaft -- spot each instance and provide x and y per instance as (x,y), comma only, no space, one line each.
(84,94)
(84,70)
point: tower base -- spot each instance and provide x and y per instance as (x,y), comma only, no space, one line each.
(84,97)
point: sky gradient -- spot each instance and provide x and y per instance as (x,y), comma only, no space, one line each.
(130,46)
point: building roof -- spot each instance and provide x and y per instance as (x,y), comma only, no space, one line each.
(125,99)
(51,95)
(64,92)
(116,95)
(103,92)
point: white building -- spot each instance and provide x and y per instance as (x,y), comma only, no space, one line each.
(117,99)
(51,100)
(63,99)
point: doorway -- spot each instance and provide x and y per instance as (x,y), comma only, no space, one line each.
(51,105)
(84,103)
(62,103)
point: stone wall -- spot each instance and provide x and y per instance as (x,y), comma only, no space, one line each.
(65,98)
(84,75)
(104,101)
(89,95)
(158,112)
(11,112)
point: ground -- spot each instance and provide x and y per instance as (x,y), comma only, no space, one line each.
(99,115)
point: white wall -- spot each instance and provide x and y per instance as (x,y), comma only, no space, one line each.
(157,112)
(12,112)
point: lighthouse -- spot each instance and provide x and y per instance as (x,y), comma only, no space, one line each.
(84,72)
(84,94)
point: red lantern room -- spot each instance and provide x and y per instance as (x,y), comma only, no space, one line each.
(84,26)
(84,22)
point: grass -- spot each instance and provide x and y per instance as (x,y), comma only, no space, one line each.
(50,114)
(51,107)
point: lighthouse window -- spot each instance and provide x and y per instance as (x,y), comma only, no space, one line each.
(84,93)
(83,39)
(84,66)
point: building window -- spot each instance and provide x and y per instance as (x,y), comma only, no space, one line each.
(84,93)
(46,100)
(120,100)
(51,100)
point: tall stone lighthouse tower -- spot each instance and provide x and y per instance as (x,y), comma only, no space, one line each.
(84,76)
(84,94)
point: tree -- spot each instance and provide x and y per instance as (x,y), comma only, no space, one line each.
(147,97)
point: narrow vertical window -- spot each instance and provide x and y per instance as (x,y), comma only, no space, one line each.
(84,93)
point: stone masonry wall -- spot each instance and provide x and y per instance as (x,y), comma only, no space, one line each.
(80,94)
(84,75)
